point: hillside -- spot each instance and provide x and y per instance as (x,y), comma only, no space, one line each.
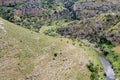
(59,39)
(103,31)
(25,54)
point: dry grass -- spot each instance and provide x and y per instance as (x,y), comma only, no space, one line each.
(117,49)
(28,55)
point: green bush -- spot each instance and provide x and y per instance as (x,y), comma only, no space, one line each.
(91,67)
(94,71)
(51,32)
(94,76)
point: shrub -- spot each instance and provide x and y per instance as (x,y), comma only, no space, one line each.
(94,76)
(48,31)
(80,44)
(55,54)
(51,32)
(73,43)
(91,66)
(94,70)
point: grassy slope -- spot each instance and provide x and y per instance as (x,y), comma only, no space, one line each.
(28,55)
(116,29)
(117,49)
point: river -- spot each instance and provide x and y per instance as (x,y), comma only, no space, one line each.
(110,74)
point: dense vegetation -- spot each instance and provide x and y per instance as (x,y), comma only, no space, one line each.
(94,71)
(112,57)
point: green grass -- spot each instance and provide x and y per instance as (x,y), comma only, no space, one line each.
(79,76)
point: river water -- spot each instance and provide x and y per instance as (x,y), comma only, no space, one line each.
(108,68)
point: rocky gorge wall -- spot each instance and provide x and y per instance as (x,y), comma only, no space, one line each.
(100,29)
(10,2)
(32,7)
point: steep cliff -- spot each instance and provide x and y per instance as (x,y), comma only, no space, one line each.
(102,29)
(94,8)
(32,7)
(10,2)
(0,2)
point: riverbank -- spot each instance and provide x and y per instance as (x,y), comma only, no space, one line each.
(110,74)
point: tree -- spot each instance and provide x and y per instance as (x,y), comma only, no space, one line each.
(48,3)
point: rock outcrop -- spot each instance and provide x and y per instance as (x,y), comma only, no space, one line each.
(10,2)
(32,7)
(91,9)
(0,2)
(106,30)
(59,15)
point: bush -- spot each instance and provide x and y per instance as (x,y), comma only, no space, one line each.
(106,49)
(94,70)
(91,66)
(55,54)
(48,31)
(51,32)
(94,76)
(80,44)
